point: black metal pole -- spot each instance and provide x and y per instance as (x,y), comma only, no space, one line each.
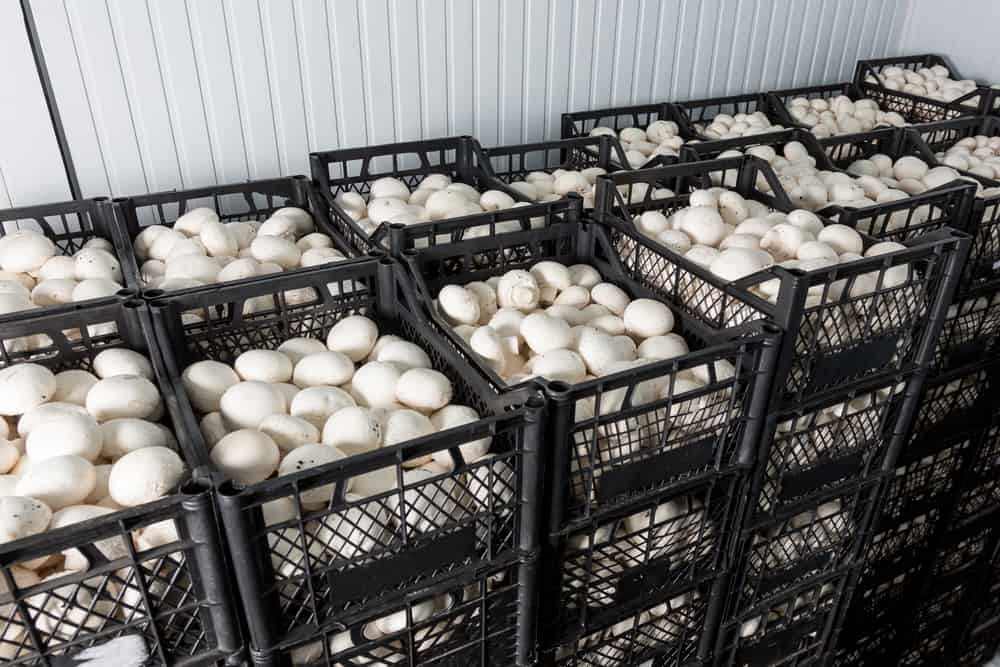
(50,100)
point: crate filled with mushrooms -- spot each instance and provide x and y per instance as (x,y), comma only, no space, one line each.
(880,191)
(104,534)
(649,134)
(925,88)
(832,110)
(56,254)
(552,170)
(786,629)
(663,546)
(671,632)
(648,422)
(825,444)
(638,400)
(184,239)
(726,251)
(729,117)
(457,622)
(366,190)
(358,460)
(803,541)
(970,146)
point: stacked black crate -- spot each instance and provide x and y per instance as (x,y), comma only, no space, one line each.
(846,387)
(640,506)
(941,490)
(423,568)
(913,527)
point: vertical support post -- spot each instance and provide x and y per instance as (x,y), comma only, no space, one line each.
(252,567)
(533,477)
(385,279)
(199,518)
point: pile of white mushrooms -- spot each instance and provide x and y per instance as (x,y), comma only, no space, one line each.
(200,249)
(867,182)
(436,198)
(558,322)
(933,82)
(74,446)
(310,403)
(841,115)
(734,237)
(543,186)
(671,621)
(642,145)
(979,155)
(34,274)
(725,126)
(566,323)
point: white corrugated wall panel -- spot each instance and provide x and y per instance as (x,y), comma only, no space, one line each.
(159,94)
(31,168)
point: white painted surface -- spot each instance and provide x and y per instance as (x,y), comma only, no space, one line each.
(965,32)
(159,94)
(31,168)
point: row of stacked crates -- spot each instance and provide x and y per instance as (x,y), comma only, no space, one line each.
(579,552)
(807,559)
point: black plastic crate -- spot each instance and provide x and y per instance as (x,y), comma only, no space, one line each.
(882,599)
(578,124)
(918,107)
(953,579)
(640,453)
(822,445)
(694,115)
(471,620)
(699,151)
(948,205)
(980,650)
(945,206)
(480,515)
(355,169)
(69,225)
(831,154)
(235,202)
(971,329)
(818,536)
(927,141)
(961,558)
(671,633)
(877,646)
(954,405)
(933,646)
(843,148)
(779,100)
(984,622)
(658,547)
(831,347)
(924,479)
(979,493)
(171,599)
(785,631)
(513,163)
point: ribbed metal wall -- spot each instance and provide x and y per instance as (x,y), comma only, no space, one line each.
(31,167)
(161,94)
